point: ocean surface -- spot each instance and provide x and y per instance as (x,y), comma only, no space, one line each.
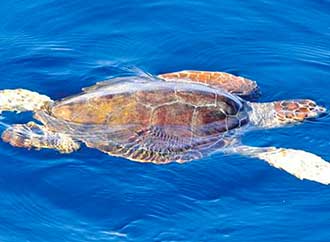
(57,47)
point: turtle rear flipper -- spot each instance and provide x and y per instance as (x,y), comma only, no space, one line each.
(32,135)
(301,164)
(21,100)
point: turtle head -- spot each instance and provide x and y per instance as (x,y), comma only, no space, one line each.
(291,111)
(280,113)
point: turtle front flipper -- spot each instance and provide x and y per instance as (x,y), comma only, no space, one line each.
(301,164)
(21,100)
(280,113)
(32,135)
(237,85)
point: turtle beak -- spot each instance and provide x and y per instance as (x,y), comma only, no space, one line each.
(316,111)
(321,111)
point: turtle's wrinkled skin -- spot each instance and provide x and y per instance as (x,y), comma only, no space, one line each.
(178,116)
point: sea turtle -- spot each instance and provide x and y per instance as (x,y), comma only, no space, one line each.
(178,116)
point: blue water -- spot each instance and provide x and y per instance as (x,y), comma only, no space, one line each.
(58,47)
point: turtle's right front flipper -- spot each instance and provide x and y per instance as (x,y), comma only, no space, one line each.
(299,163)
(21,100)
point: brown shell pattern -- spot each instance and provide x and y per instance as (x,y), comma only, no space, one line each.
(169,124)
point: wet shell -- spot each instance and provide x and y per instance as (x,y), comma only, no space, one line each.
(155,121)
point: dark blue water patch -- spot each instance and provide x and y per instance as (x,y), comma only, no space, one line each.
(58,47)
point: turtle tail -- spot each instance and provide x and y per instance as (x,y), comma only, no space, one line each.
(21,100)
(279,113)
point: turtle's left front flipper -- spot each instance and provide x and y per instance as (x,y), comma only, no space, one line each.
(21,100)
(301,164)
(237,85)
(32,135)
